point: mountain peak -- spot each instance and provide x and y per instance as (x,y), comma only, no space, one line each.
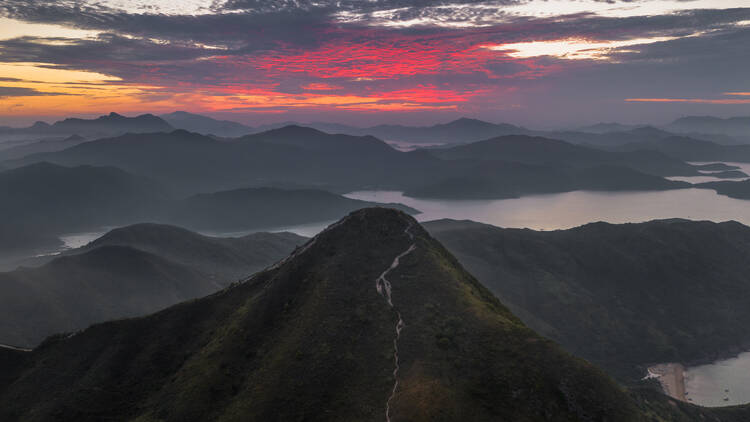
(374,295)
(295,129)
(114,115)
(468,121)
(40,125)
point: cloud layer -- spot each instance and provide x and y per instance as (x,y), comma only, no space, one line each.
(488,59)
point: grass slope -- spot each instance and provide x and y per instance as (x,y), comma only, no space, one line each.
(620,295)
(313,340)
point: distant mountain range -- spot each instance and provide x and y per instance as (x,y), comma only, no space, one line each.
(43,200)
(46,199)
(107,125)
(295,156)
(35,147)
(464,130)
(513,166)
(206,125)
(292,156)
(499,167)
(129,271)
(254,208)
(689,149)
(425,340)
(607,128)
(733,126)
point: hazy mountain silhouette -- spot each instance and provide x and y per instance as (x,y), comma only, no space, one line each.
(304,157)
(46,145)
(498,179)
(457,131)
(733,126)
(107,125)
(513,166)
(607,128)
(539,150)
(461,130)
(191,163)
(206,125)
(244,209)
(689,149)
(222,259)
(610,139)
(129,271)
(43,200)
(622,296)
(48,199)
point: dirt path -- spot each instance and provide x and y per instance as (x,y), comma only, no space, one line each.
(384,289)
(19,349)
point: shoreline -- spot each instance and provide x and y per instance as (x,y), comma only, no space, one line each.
(671,376)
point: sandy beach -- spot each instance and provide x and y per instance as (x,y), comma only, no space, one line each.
(671,376)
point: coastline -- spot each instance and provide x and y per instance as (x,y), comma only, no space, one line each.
(671,376)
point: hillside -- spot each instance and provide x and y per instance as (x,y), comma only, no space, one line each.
(111,124)
(206,125)
(732,189)
(283,345)
(733,126)
(689,149)
(128,272)
(622,296)
(245,209)
(72,292)
(315,319)
(462,130)
(44,200)
(300,157)
(541,150)
(290,156)
(40,146)
(499,179)
(224,259)
(457,131)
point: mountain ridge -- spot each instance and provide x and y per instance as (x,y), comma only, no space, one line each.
(284,343)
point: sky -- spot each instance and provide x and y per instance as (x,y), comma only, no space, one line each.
(541,63)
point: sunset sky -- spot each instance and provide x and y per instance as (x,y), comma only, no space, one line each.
(534,62)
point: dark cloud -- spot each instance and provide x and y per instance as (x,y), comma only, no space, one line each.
(12,91)
(283,46)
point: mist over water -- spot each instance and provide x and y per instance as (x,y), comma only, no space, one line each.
(539,212)
(572,209)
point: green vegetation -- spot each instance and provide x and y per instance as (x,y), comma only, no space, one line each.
(622,296)
(312,340)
